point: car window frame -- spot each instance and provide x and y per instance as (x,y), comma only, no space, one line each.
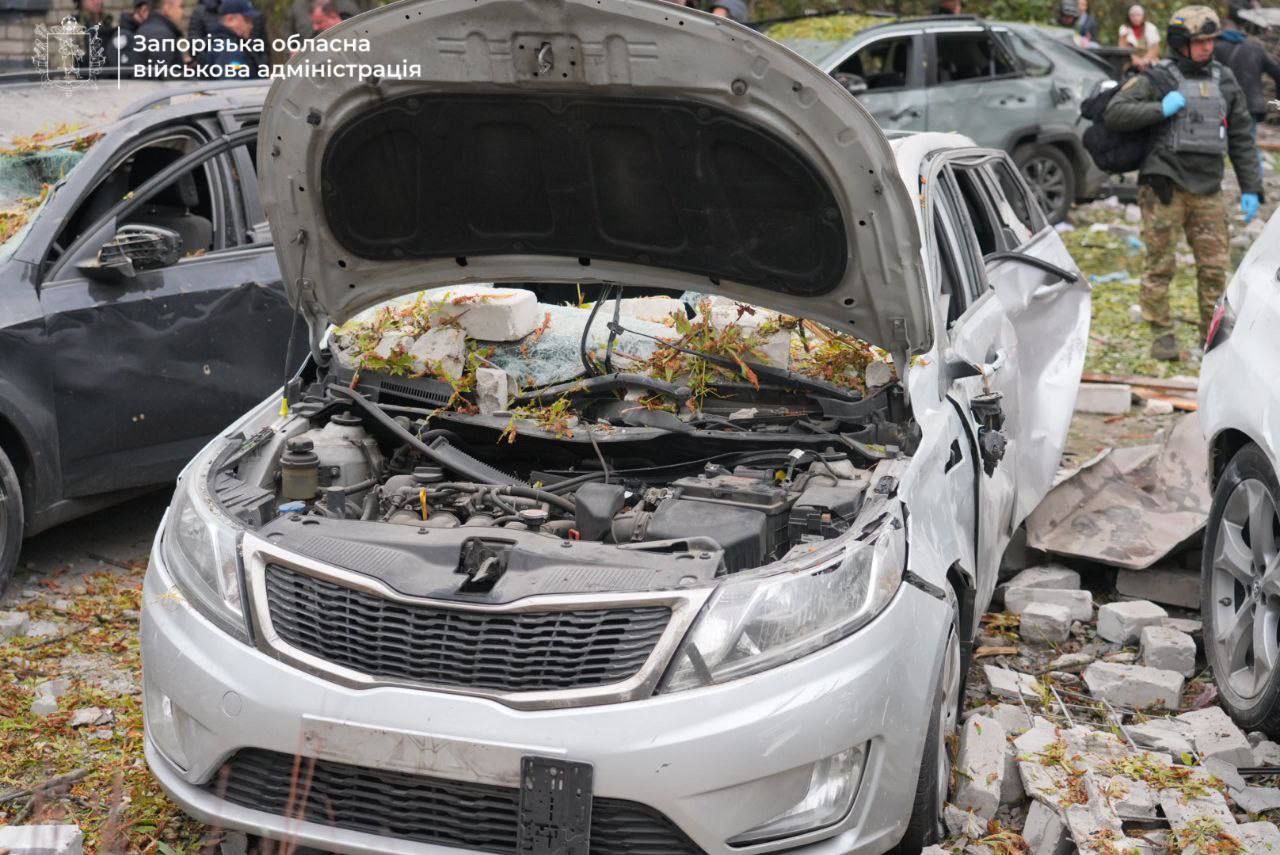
(932,49)
(246,177)
(201,156)
(986,162)
(915,69)
(944,202)
(1013,36)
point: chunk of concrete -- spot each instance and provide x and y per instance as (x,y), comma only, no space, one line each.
(774,348)
(1045,832)
(1214,734)
(1109,399)
(980,766)
(1011,790)
(1187,625)
(1078,603)
(12,624)
(1012,717)
(1046,576)
(1266,753)
(655,309)
(1045,623)
(1162,647)
(879,373)
(43,629)
(390,343)
(1172,586)
(440,349)
(1258,838)
(1225,772)
(1166,735)
(1180,809)
(492,314)
(1123,622)
(1134,686)
(963,823)
(41,840)
(492,391)
(1011,685)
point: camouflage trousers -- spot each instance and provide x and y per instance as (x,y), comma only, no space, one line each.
(1203,218)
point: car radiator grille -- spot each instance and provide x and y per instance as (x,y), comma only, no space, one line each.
(503,652)
(431,810)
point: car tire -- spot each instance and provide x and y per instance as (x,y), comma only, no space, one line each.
(933,786)
(1239,600)
(11,520)
(1051,176)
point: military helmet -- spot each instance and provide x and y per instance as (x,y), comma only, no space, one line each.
(1191,23)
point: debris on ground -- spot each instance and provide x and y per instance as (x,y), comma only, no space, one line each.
(1128,507)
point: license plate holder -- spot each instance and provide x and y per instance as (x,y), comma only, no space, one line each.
(555,807)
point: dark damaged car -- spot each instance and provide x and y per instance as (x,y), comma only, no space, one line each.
(140,303)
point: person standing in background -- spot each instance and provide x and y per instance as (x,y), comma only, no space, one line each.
(1141,37)
(1248,60)
(1086,26)
(1200,119)
(325,14)
(735,10)
(163,27)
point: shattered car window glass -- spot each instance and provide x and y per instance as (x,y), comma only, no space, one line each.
(884,64)
(29,167)
(970,56)
(1033,61)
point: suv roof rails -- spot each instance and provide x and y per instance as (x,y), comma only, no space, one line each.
(212,88)
(890,18)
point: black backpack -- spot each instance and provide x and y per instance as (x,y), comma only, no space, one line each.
(1115,152)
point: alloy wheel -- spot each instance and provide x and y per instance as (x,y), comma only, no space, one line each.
(949,717)
(1245,590)
(1047,180)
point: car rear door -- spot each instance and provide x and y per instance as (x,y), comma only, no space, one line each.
(145,369)
(893,68)
(976,88)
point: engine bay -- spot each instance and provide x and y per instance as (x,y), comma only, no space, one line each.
(621,479)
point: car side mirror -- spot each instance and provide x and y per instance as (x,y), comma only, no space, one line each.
(134,248)
(854,84)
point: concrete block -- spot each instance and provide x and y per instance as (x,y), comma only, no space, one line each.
(1045,623)
(1045,832)
(390,343)
(1109,399)
(1011,790)
(1166,735)
(1046,576)
(655,310)
(1187,625)
(1011,684)
(1172,586)
(1123,622)
(1078,603)
(775,349)
(1162,647)
(1214,734)
(1157,407)
(1255,800)
(1012,717)
(1258,838)
(1266,753)
(1134,685)
(41,840)
(491,391)
(11,624)
(980,766)
(879,373)
(492,314)
(440,349)
(1180,809)
(963,823)
(1225,772)
(43,629)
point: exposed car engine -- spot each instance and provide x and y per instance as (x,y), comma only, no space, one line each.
(748,473)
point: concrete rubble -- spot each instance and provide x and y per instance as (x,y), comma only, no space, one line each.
(41,840)
(1087,744)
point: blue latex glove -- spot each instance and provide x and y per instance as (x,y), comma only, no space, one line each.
(1172,103)
(1249,205)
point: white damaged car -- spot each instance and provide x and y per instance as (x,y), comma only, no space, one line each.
(699,581)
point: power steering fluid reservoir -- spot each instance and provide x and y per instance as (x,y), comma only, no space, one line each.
(299,470)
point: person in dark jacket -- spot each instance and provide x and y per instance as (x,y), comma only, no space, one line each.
(1248,60)
(129,25)
(298,20)
(235,25)
(1086,26)
(161,30)
(203,18)
(1200,119)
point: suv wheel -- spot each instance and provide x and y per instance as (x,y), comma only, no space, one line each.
(10,520)
(1240,591)
(934,784)
(1051,176)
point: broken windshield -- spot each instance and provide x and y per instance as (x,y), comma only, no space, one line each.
(29,167)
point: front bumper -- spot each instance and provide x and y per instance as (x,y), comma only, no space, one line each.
(702,758)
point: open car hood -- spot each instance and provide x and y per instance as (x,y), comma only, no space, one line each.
(630,141)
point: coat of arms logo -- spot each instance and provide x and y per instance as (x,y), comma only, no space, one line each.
(69,54)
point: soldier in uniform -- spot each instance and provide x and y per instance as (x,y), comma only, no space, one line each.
(1198,114)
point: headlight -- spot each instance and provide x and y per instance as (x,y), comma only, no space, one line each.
(751,624)
(199,547)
